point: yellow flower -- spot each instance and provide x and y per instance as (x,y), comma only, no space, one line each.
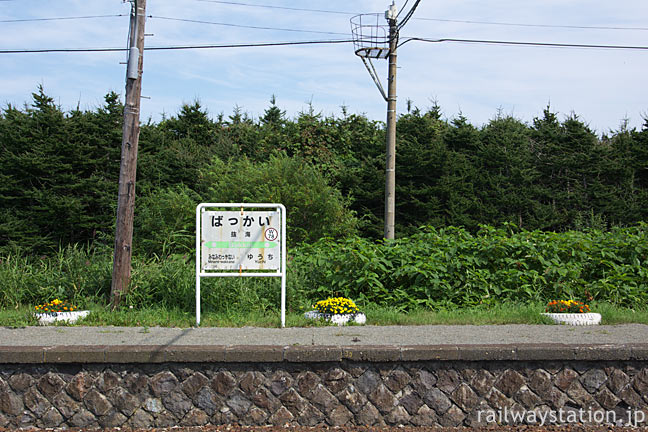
(336,305)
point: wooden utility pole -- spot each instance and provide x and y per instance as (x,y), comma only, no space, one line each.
(390,165)
(121,274)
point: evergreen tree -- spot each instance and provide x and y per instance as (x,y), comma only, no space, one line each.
(174,151)
(507,175)
(272,136)
(242,134)
(459,174)
(420,157)
(579,175)
(60,172)
(359,172)
(273,116)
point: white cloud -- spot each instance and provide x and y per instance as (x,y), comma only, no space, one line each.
(602,86)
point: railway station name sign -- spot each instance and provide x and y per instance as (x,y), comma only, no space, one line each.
(241,240)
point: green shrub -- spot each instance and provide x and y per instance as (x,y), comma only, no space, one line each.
(314,209)
(450,267)
(76,274)
(165,222)
(83,276)
(434,269)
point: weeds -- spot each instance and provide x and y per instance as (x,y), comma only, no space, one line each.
(376,315)
(435,276)
(450,268)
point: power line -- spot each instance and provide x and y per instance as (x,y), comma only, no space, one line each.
(402,8)
(582,27)
(533,44)
(59,18)
(250,45)
(493,23)
(245,26)
(178,47)
(533,25)
(278,7)
(409,15)
(324,42)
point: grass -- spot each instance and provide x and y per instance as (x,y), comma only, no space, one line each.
(163,288)
(493,315)
(611,314)
(164,317)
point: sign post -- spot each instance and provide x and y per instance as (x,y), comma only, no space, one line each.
(241,243)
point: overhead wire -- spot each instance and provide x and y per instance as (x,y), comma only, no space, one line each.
(409,15)
(402,8)
(244,26)
(580,27)
(522,43)
(177,47)
(430,19)
(60,18)
(250,45)
(493,23)
(323,42)
(278,7)
(262,44)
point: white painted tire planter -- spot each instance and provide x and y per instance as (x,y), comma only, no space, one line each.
(576,319)
(339,319)
(51,317)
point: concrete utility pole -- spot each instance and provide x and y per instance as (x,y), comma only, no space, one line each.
(390,165)
(370,41)
(121,274)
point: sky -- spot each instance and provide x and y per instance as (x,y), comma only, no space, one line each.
(604,87)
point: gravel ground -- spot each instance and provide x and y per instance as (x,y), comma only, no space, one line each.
(234,428)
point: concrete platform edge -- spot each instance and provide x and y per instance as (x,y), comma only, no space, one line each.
(81,354)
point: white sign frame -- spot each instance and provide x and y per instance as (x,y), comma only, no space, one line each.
(281,272)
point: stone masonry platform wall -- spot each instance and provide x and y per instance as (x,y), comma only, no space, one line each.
(447,386)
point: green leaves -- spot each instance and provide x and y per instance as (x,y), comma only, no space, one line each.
(314,209)
(453,268)
(433,269)
(58,174)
